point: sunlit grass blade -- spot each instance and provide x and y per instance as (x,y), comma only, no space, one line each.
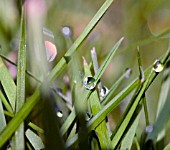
(128,139)
(64,60)
(102,131)
(19,118)
(34,139)
(2,117)
(8,84)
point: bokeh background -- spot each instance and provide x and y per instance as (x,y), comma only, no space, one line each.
(140,22)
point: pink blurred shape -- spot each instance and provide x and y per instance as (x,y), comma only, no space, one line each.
(51,51)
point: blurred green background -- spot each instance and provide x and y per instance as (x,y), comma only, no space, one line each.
(139,21)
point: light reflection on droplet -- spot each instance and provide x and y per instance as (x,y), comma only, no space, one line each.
(128,72)
(89,83)
(158,66)
(103,91)
(59,114)
(66,30)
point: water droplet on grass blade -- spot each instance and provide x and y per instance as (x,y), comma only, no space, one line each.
(89,83)
(158,66)
(128,72)
(103,91)
(59,114)
(67,32)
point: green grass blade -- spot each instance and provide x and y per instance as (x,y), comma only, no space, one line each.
(8,84)
(112,89)
(128,139)
(34,139)
(2,117)
(107,60)
(19,139)
(19,118)
(64,60)
(163,109)
(5,102)
(35,127)
(102,131)
(163,95)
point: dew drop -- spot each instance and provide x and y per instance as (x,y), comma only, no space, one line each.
(128,72)
(158,66)
(59,114)
(89,83)
(103,91)
(66,30)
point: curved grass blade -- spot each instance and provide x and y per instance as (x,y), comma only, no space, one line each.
(64,60)
(8,84)
(34,139)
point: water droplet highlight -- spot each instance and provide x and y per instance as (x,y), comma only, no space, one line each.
(67,32)
(128,72)
(59,114)
(158,66)
(89,83)
(103,91)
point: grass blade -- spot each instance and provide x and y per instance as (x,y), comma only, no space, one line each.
(8,84)
(34,139)
(163,109)
(64,60)
(128,139)
(107,60)
(20,97)
(102,131)
(5,102)
(2,117)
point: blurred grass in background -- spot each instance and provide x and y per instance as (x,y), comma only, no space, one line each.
(137,21)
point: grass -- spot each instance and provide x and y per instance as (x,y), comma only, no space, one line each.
(36,114)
